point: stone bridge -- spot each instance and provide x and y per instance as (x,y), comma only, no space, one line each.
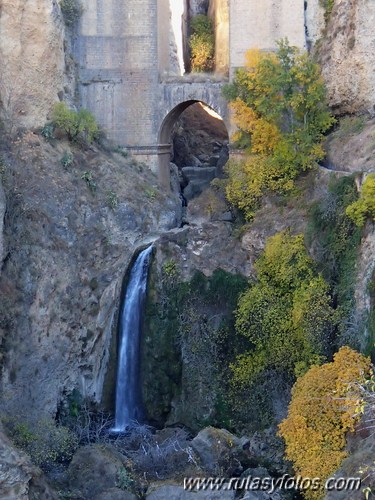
(132,59)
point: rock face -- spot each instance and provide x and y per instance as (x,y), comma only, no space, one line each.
(197,179)
(19,479)
(347,56)
(15,471)
(68,243)
(199,149)
(197,134)
(353,150)
(314,21)
(365,277)
(219,13)
(32,60)
(198,7)
(2,213)
(359,464)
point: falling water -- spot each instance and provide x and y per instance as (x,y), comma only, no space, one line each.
(128,391)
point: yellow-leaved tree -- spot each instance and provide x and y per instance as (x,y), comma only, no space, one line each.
(321,412)
(279,108)
(364,207)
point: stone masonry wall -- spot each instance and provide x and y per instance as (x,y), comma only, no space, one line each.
(117,53)
(261,24)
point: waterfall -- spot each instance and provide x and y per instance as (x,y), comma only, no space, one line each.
(128,390)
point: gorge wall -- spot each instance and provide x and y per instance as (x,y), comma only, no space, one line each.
(32,61)
(347,56)
(65,254)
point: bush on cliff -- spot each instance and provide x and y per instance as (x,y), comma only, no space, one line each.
(45,442)
(75,124)
(364,208)
(286,316)
(71,10)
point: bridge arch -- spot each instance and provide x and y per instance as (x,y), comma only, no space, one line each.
(165,135)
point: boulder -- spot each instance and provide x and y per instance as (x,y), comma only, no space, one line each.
(220,451)
(198,179)
(94,471)
(115,494)
(213,160)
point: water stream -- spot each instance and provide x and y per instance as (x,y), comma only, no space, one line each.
(128,387)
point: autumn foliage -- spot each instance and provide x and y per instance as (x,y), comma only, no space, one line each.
(364,207)
(286,316)
(279,107)
(322,411)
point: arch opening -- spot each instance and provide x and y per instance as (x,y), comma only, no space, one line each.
(198,148)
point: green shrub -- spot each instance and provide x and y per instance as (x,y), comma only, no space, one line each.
(328,7)
(151,193)
(202,43)
(350,125)
(364,208)
(3,170)
(72,11)
(286,316)
(124,479)
(112,200)
(46,443)
(75,124)
(48,131)
(170,271)
(121,151)
(335,239)
(89,179)
(67,159)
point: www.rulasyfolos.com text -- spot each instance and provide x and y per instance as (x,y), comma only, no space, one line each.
(270,484)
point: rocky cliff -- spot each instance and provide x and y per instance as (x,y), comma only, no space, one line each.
(32,59)
(69,237)
(346,53)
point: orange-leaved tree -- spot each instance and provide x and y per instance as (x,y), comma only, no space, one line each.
(321,412)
